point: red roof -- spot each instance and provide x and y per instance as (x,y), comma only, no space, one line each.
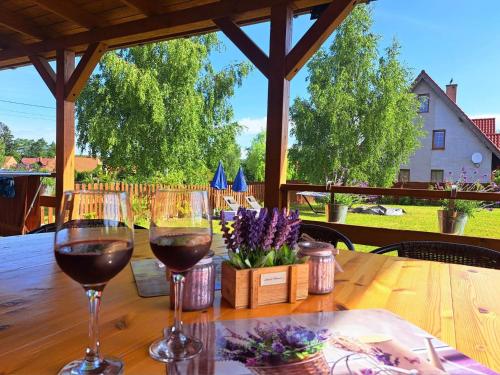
(82,163)
(487,127)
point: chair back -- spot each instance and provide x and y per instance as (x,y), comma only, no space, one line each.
(447,252)
(50,228)
(253,202)
(325,234)
(231,202)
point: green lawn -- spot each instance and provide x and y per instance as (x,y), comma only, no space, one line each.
(422,218)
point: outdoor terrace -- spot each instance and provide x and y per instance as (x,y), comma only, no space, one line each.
(41,309)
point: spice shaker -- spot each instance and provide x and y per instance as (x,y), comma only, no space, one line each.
(321,265)
(199,284)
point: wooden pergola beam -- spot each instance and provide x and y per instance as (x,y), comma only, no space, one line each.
(146,7)
(46,72)
(312,40)
(150,24)
(19,24)
(246,45)
(72,13)
(278,102)
(85,67)
(65,125)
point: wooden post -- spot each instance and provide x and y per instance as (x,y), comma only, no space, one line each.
(65,125)
(277,104)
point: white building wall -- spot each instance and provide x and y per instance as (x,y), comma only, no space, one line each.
(460,144)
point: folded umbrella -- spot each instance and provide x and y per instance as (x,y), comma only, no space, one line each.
(240,183)
(219,181)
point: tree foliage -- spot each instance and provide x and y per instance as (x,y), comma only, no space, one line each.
(360,114)
(2,152)
(255,161)
(23,147)
(6,138)
(162,111)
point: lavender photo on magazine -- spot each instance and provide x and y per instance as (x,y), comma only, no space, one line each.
(353,342)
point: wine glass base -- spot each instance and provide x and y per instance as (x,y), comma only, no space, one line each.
(108,366)
(173,349)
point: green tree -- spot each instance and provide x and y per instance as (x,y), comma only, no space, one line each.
(255,162)
(7,139)
(2,152)
(38,147)
(161,111)
(360,115)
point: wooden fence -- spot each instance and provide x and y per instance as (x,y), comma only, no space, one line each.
(145,192)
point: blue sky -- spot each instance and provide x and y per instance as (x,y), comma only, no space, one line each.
(457,39)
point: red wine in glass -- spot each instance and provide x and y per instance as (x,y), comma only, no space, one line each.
(180,251)
(93,262)
(92,251)
(180,236)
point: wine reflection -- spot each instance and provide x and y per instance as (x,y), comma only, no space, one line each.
(204,363)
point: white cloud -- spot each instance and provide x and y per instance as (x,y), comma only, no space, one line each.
(253,125)
(489,115)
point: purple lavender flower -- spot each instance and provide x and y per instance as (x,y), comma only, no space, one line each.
(293,236)
(272,344)
(385,358)
(271,229)
(251,237)
(278,347)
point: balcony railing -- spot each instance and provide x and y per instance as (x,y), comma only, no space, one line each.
(376,236)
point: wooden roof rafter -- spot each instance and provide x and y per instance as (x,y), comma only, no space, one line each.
(20,24)
(176,20)
(146,7)
(72,13)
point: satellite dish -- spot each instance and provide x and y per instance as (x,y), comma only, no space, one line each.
(477,158)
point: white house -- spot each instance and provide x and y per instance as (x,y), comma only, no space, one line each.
(453,141)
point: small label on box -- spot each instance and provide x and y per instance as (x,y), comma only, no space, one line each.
(274,278)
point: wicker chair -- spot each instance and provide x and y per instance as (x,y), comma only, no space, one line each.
(325,234)
(50,228)
(446,252)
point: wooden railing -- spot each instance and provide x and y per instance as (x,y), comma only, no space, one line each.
(376,236)
(146,191)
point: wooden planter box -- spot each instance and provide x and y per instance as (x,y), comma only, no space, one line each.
(264,286)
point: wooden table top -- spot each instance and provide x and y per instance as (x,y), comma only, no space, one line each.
(43,314)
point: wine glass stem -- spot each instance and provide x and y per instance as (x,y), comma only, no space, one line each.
(178,280)
(92,356)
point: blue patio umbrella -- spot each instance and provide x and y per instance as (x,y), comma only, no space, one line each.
(219,181)
(240,183)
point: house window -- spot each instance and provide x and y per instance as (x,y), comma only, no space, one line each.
(438,139)
(424,103)
(437,175)
(404,175)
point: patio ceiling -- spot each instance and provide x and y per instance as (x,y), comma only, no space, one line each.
(40,27)
(36,31)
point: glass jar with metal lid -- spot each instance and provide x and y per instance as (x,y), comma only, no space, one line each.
(199,284)
(321,265)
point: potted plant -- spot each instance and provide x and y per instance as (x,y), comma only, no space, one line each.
(264,266)
(336,210)
(338,204)
(455,213)
(276,349)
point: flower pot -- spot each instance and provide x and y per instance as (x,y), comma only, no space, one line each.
(452,222)
(336,213)
(264,286)
(313,365)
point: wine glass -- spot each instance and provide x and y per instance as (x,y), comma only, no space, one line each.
(180,235)
(93,243)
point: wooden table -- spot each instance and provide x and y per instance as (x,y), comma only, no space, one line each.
(43,314)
